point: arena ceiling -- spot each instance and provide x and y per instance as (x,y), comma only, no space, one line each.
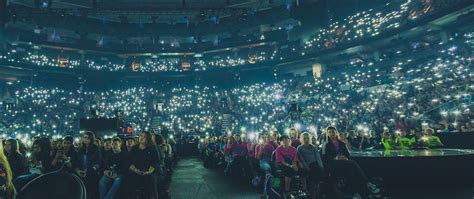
(158,11)
(169,21)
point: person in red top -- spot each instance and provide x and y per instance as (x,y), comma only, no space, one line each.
(287,160)
(295,141)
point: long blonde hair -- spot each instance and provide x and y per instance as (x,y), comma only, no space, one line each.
(10,189)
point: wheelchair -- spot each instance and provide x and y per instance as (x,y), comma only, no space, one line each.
(54,185)
(275,184)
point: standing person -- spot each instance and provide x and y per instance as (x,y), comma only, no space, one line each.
(311,162)
(17,161)
(286,157)
(7,191)
(174,154)
(337,163)
(167,152)
(114,169)
(161,169)
(143,161)
(90,159)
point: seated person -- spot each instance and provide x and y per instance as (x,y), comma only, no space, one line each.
(67,159)
(18,163)
(143,162)
(115,167)
(90,158)
(431,141)
(40,163)
(264,153)
(417,140)
(337,163)
(345,139)
(129,144)
(287,160)
(7,190)
(402,141)
(387,141)
(295,141)
(209,151)
(310,161)
(238,150)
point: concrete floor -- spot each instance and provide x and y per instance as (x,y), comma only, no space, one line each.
(192,181)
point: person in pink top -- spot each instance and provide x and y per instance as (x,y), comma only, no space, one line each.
(252,161)
(257,150)
(235,147)
(265,151)
(228,145)
(287,160)
(295,141)
(238,150)
(251,149)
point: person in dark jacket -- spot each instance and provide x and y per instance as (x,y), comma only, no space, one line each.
(16,160)
(90,159)
(40,163)
(337,164)
(66,159)
(114,169)
(142,167)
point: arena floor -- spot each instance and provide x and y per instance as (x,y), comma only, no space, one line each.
(192,181)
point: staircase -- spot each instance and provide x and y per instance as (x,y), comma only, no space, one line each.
(226,124)
(156,122)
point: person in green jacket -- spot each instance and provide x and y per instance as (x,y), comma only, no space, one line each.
(387,141)
(432,141)
(402,141)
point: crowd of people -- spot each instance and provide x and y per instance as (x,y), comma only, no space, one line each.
(364,98)
(271,159)
(270,131)
(127,167)
(395,104)
(361,25)
(372,22)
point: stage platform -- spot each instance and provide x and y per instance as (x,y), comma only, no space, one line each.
(433,166)
(435,173)
(412,153)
